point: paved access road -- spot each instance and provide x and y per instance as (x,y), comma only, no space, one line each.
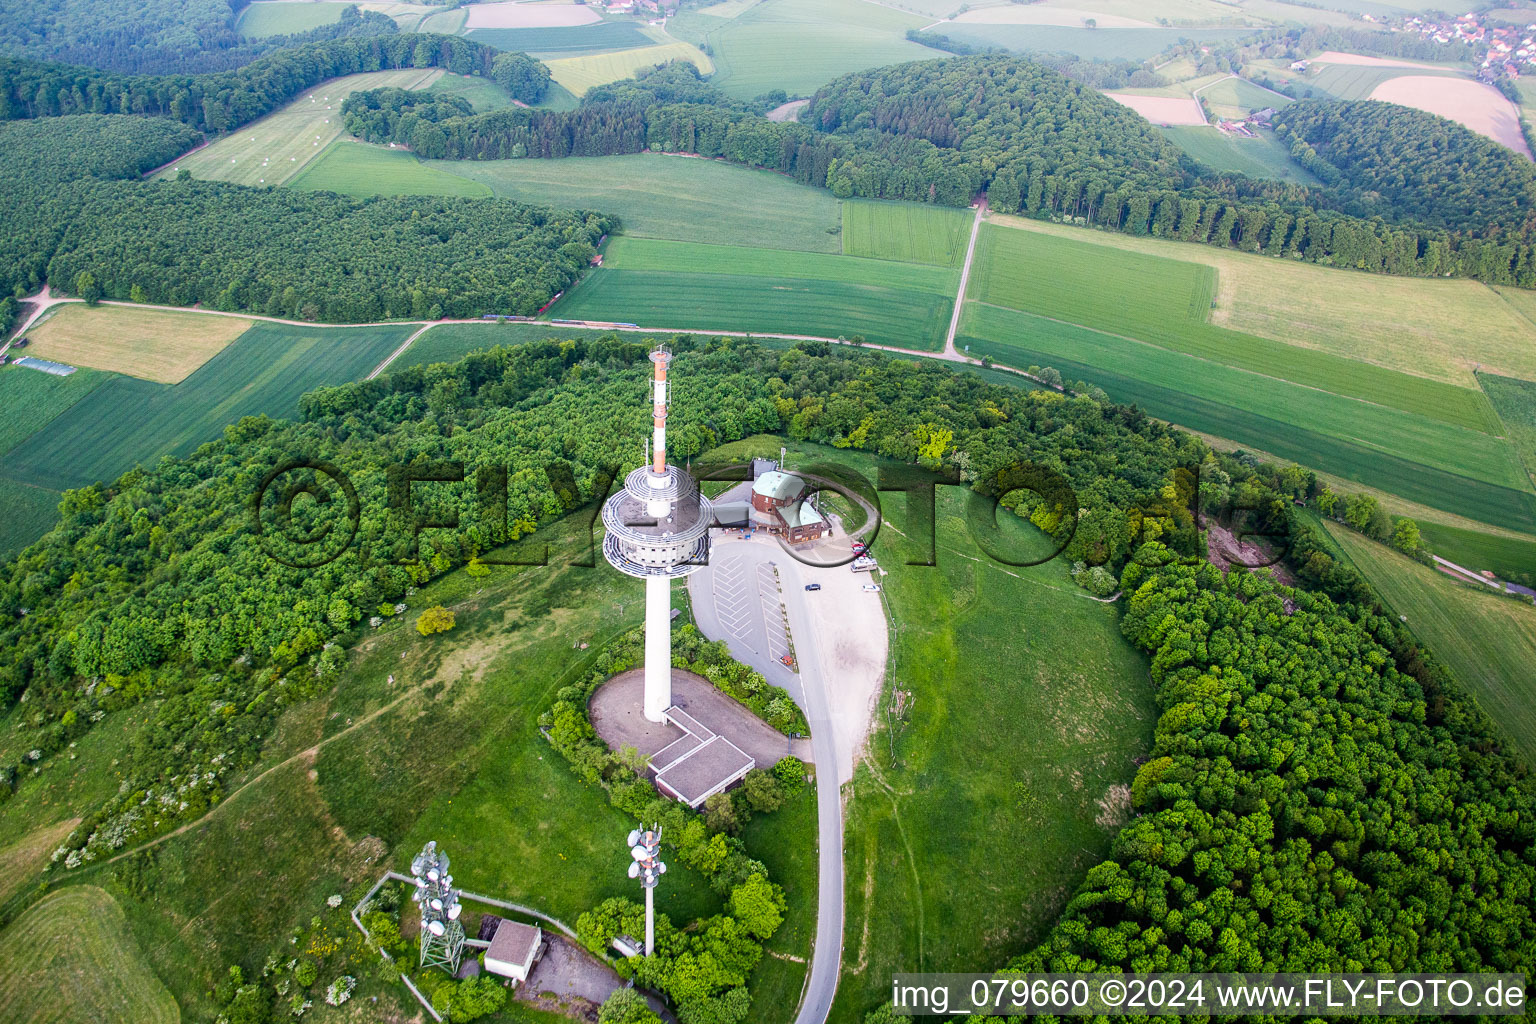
(738,568)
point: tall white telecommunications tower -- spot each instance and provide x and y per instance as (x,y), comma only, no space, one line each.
(658,531)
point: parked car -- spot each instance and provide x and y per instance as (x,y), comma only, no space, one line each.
(813,586)
(873,588)
(859,547)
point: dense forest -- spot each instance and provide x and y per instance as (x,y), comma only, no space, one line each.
(1384,158)
(225,100)
(155,583)
(154,36)
(1318,798)
(311,255)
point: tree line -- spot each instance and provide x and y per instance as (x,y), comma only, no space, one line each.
(292,254)
(1319,797)
(228,99)
(156,36)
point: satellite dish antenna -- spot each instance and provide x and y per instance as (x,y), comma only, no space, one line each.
(436,904)
(639,853)
(634,837)
(634,871)
(661,868)
(436,927)
(454,912)
(432,875)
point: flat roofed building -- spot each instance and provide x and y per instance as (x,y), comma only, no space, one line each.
(513,951)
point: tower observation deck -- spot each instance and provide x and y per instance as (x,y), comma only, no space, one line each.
(658,531)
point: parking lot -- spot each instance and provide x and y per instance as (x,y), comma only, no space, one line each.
(748,605)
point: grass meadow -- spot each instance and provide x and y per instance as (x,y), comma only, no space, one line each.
(908,232)
(153,344)
(26,513)
(482,93)
(1515,402)
(358,169)
(681,198)
(274,149)
(1236,98)
(1511,558)
(1046,719)
(1431,328)
(71,957)
(1263,157)
(1135,44)
(1488,641)
(277,18)
(568,40)
(578,74)
(778,305)
(801,45)
(130,421)
(1167,302)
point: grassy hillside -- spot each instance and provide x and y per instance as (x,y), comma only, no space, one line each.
(1515,402)
(673,197)
(71,957)
(1167,302)
(1430,328)
(356,169)
(962,784)
(1263,157)
(800,45)
(1488,641)
(578,74)
(274,149)
(129,421)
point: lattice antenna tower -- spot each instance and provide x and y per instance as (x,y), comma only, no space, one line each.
(442,934)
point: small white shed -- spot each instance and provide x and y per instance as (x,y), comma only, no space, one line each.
(513,951)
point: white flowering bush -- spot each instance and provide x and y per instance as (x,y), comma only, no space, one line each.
(333,901)
(298,1005)
(340,990)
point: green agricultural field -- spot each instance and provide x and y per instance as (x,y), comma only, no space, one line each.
(683,198)
(26,513)
(281,17)
(801,45)
(30,399)
(1047,720)
(1236,98)
(1515,402)
(1167,302)
(1488,641)
(482,93)
(1354,81)
(1390,431)
(448,343)
(274,149)
(130,421)
(778,305)
(566,40)
(1442,329)
(909,232)
(1263,157)
(1508,557)
(71,957)
(449,23)
(1436,465)
(578,74)
(686,258)
(357,169)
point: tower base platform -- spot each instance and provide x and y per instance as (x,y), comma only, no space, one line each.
(707,744)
